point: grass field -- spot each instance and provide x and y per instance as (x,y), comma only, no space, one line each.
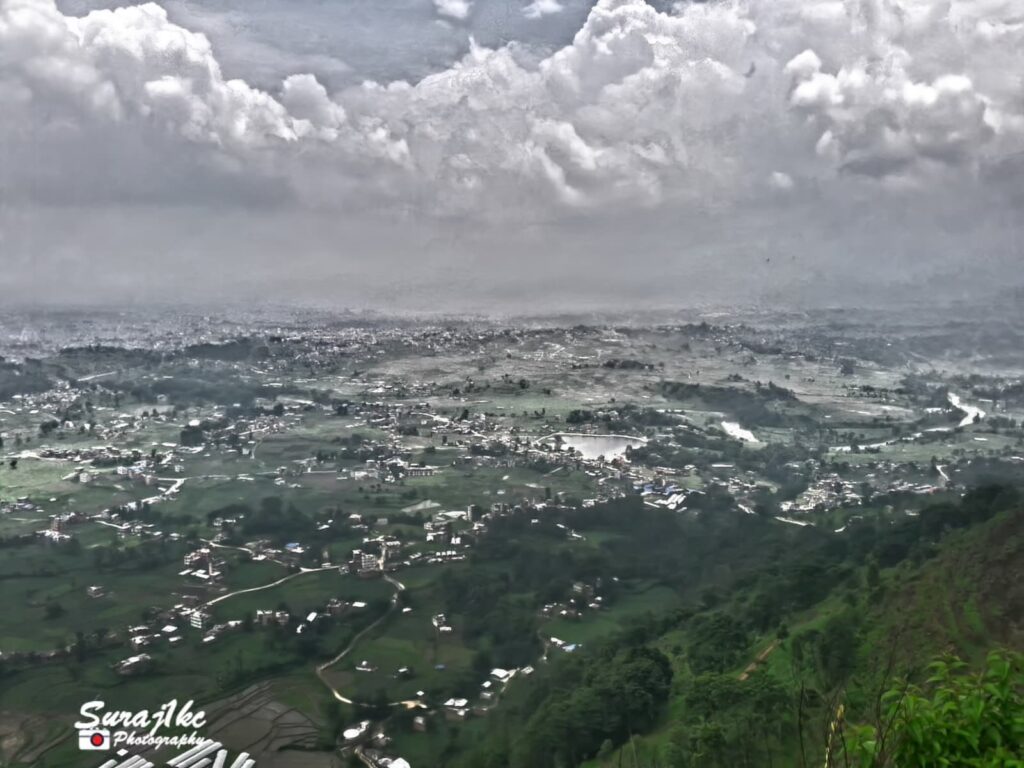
(26,625)
(304,593)
(635,601)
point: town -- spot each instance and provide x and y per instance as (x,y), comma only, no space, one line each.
(327,514)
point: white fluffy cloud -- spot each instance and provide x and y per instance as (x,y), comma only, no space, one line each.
(454,9)
(680,110)
(876,119)
(540,8)
(131,65)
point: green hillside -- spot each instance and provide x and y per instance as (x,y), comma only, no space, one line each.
(758,679)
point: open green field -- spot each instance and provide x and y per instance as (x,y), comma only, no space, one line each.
(37,478)
(635,601)
(303,593)
(31,623)
(973,440)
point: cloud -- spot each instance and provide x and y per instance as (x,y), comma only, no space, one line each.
(132,65)
(877,120)
(643,107)
(540,8)
(454,9)
(705,112)
(781,180)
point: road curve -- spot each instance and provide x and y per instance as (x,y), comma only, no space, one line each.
(267,586)
(320,669)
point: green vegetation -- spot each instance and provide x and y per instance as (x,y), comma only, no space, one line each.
(760,668)
(702,600)
(975,720)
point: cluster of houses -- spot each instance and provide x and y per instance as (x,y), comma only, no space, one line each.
(395,468)
(583,598)
(440,622)
(203,565)
(369,741)
(58,530)
(491,689)
(828,490)
(149,636)
(376,556)
(335,609)
(101,422)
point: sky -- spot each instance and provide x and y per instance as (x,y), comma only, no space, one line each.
(449,155)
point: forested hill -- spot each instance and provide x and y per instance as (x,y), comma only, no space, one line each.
(754,674)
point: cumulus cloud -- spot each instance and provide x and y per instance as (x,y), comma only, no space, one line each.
(454,9)
(704,108)
(132,65)
(877,120)
(540,8)
(643,106)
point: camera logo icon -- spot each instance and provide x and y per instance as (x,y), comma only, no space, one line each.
(96,740)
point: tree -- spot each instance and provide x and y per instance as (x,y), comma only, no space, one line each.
(717,642)
(956,719)
(837,649)
(873,577)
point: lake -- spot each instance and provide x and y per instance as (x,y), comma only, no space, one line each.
(592,446)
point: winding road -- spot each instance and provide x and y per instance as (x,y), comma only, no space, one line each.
(322,668)
(267,586)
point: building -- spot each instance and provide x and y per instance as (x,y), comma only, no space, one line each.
(502,675)
(364,562)
(583,589)
(134,665)
(336,607)
(420,471)
(456,709)
(356,733)
(266,618)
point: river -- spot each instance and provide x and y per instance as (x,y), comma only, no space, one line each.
(970,412)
